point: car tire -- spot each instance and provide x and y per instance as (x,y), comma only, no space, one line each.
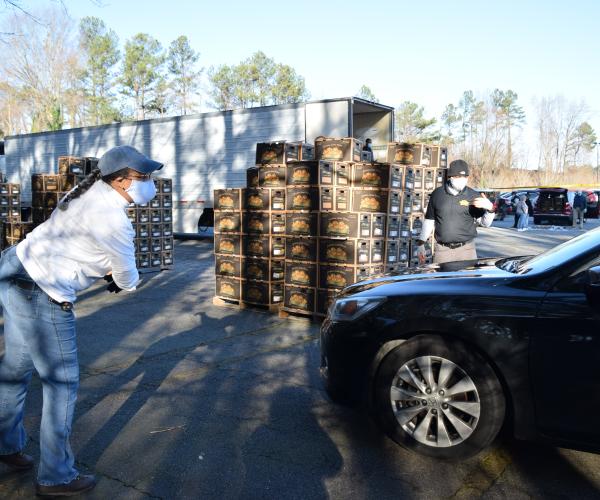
(452,426)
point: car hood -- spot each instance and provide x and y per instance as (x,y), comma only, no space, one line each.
(480,268)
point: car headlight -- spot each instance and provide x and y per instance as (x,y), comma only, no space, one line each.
(351,308)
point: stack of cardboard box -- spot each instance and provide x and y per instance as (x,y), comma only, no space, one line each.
(13,229)
(153,226)
(321,218)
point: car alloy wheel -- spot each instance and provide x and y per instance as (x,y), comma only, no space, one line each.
(435,401)
(438,396)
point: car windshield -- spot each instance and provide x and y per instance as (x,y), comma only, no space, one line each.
(554,256)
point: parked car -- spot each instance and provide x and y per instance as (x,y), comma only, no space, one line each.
(447,354)
(592,207)
(554,206)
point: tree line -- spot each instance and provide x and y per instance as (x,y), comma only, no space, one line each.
(55,76)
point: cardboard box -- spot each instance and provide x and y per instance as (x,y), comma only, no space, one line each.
(339,224)
(300,298)
(366,156)
(142,215)
(283,152)
(344,251)
(414,249)
(302,198)
(325,299)
(166,200)
(51,199)
(156,245)
(409,179)
(342,173)
(439,157)
(167,215)
(377,251)
(392,252)
(228,288)
(342,198)
(167,230)
(155,202)
(256,222)
(336,277)
(227,199)
(156,230)
(228,222)
(66,182)
(167,244)
(278,199)
(300,273)
(261,269)
(304,173)
(403,251)
(440,177)
(142,260)
(228,265)
(418,178)
(166,259)
(302,223)
(301,248)
(156,215)
(252,177)
(327,199)
(394,202)
(256,199)
(405,227)
(228,244)
(272,176)
(72,165)
(372,225)
(369,200)
(132,214)
(165,185)
(417,202)
(142,230)
(155,259)
(37,182)
(421,155)
(16,230)
(400,153)
(407,203)
(346,149)
(429,179)
(416,225)
(393,227)
(256,245)
(51,183)
(278,223)
(142,245)
(262,292)
(377,175)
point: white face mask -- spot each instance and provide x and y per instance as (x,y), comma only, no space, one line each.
(141,191)
(458,183)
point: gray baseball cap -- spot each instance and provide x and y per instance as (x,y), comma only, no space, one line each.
(121,157)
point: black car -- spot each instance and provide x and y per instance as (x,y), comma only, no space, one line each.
(447,354)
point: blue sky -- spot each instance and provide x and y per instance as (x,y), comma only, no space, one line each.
(427,52)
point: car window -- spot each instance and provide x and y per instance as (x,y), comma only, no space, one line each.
(576,281)
(584,244)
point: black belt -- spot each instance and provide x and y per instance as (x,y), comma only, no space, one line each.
(452,246)
(29,285)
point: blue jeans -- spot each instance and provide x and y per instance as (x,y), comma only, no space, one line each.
(38,335)
(523,221)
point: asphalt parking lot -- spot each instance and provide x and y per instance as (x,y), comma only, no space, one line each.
(183,399)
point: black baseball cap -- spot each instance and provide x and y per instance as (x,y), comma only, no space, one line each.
(458,167)
(121,157)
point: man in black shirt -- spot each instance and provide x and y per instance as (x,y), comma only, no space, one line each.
(454,211)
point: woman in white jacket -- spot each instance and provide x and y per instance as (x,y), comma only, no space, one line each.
(87,238)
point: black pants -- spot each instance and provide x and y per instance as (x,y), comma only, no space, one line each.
(516,220)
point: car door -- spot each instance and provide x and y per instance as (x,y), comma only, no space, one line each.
(565,358)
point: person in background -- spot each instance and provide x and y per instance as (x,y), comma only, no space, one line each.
(369,147)
(522,211)
(514,202)
(453,213)
(579,208)
(88,237)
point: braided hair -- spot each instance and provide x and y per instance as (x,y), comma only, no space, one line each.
(87,182)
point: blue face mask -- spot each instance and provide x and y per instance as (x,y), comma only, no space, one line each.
(141,191)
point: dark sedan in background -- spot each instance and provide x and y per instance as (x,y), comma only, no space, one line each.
(446,355)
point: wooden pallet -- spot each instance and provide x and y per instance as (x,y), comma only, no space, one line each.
(238,304)
(286,312)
